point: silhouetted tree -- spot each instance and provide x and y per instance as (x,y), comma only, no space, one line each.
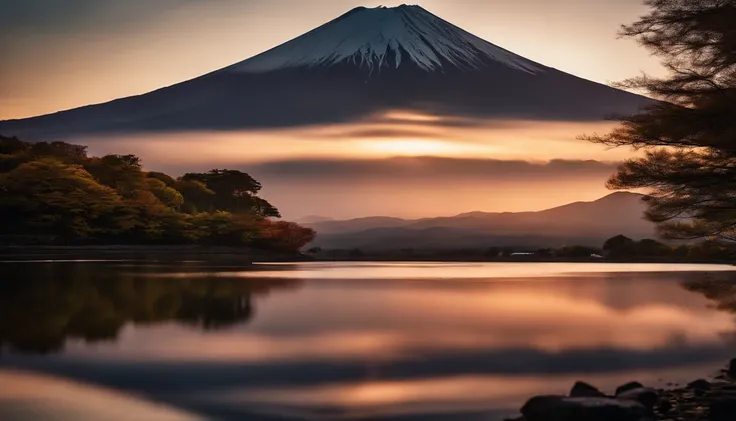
(234,191)
(652,248)
(619,246)
(689,138)
(577,251)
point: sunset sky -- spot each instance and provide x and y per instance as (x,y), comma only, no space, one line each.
(60,54)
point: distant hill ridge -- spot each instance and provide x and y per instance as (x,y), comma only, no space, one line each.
(582,223)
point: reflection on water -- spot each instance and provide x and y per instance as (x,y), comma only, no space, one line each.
(43,305)
(367,341)
(26,396)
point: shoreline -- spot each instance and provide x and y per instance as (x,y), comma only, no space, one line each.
(699,400)
(248,255)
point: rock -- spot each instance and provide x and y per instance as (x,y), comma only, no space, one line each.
(644,395)
(562,408)
(582,390)
(664,406)
(732,368)
(629,386)
(699,384)
(724,410)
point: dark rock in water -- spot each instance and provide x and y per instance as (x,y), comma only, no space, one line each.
(582,389)
(562,408)
(732,368)
(628,386)
(644,395)
(664,405)
(699,384)
(724,410)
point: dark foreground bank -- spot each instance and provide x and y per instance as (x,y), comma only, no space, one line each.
(699,400)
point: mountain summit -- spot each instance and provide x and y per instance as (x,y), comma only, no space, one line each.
(385,38)
(361,64)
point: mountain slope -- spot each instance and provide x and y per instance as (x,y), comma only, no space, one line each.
(363,63)
(384,38)
(582,223)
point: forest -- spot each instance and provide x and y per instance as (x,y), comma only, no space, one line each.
(53,193)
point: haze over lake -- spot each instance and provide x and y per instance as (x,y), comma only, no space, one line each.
(344,340)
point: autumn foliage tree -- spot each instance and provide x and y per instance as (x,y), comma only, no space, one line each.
(689,137)
(46,196)
(54,193)
(283,235)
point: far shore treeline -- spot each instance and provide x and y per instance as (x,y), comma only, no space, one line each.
(55,194)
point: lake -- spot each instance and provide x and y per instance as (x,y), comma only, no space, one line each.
(333,341)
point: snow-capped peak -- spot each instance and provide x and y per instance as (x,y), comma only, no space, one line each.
(385,37)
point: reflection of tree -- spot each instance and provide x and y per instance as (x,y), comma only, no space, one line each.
(42,305)
(720,291)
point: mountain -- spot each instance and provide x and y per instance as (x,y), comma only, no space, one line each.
(313,219)
(579,223)
(361,64)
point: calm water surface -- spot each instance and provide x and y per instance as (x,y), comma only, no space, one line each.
(359,341)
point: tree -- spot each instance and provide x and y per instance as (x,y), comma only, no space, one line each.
(652,248)
(234,191)
(48,198)
(12,145)
(121,172)
(619,246)
(167,195)
(577,251)
(284,236)
(689,138)
(54,192)
(197,197)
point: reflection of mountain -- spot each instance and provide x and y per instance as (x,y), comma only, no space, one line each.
(360,64)
(43,305)
(584,223)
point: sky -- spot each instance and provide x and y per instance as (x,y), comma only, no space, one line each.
(61,54)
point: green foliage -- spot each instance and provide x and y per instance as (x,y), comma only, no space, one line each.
(121,172)
(48,197)
(168,180)
(55,193)
(689,138)
(167,195)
